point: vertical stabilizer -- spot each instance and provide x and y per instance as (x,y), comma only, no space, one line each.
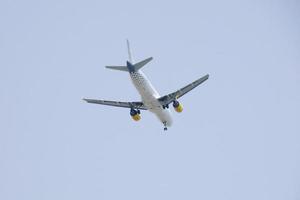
(130,66)
(129,52)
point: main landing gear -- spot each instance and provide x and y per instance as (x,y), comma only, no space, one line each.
(165,106)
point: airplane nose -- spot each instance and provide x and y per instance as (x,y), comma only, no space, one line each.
(169,122)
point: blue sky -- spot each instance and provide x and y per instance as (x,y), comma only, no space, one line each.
(238,137)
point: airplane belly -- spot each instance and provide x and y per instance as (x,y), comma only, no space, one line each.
(149,97)
(143,85)
(163,115)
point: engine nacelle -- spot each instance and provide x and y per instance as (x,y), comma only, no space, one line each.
(177,106)
(136,117)
(135,114)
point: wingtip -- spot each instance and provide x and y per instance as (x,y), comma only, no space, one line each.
(206,76)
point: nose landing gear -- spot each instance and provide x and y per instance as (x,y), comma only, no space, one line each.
(165,126)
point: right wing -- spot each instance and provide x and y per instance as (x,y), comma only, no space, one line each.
(165,100)
(135,105)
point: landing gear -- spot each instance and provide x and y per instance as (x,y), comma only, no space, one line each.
(165,126)
(165,106)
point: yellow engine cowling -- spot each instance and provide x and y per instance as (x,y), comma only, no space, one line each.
(135,114)
(136,117)
(177,106)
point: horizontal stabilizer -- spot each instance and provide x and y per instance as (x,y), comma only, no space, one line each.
(139,65)
(120,68)
(134,67)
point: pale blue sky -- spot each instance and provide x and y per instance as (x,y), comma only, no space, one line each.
(238,137)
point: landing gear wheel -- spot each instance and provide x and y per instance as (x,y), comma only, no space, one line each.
(165,106)
(165,124)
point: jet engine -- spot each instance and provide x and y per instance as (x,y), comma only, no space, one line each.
(177,106)
(135,114)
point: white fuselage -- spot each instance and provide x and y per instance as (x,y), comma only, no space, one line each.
(149,97)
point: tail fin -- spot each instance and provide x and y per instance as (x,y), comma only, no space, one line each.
(129,52)
(130,66)
(133,68)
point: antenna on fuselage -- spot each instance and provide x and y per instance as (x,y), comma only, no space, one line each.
(129,52)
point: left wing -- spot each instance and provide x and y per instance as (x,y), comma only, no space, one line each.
(136,105)
(167,99)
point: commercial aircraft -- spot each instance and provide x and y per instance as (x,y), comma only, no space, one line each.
(150,98)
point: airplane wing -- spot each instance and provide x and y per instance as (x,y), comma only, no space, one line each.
(167,99)
(136,105)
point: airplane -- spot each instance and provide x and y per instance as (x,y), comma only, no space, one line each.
(150,98)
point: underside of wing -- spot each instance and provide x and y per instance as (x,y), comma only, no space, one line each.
(135,105)
(165,100)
